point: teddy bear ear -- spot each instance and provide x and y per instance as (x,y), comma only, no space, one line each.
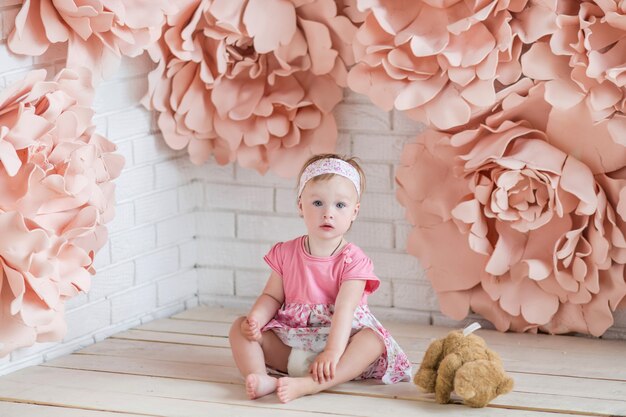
(505,386)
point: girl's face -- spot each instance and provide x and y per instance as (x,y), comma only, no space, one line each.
(329,207)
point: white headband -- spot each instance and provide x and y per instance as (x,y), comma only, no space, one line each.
(330,166)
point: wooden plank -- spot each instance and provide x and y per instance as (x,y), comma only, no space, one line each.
(566,344)
(128,392)
(162,351)
(178,338)
(520,358)
(571,394)
(17,409)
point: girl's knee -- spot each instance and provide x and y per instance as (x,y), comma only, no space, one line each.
(372,337)
(235,329)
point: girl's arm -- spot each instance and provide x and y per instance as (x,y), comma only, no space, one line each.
(350,293)
(266,305)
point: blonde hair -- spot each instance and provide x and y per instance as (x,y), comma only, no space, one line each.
(324,177)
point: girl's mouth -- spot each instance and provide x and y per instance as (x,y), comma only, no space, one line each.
(327,227)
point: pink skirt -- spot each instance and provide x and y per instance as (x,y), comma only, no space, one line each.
(306,327)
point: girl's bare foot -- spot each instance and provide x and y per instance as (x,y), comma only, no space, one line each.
(291,388)
(258,385)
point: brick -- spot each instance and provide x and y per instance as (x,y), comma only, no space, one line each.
(134,182)
(412,295)
(129,122)
(286,201)
(383,296)
(377,177)
(11,61)
(369,234)
(153,265)
(247,176)
(344,144)
(134,303)
(151,148)
(77,301)
(153,207)
(190,196)
(221,253)
(132,243)
(401,123)
(269,228)
(216,281)
(364,117)
(188,252)
(396,265)
(210,171)
(381,206)
(250,283)
(103,257)
(402,233)
(111,280)
(215,224)
(134,66)
(102,127)
(239,197)
(126,150)
(350,96)
(117,95)
(87,319)
(178,287)
(379,148)
(176,229)
(171,173)
(124,218)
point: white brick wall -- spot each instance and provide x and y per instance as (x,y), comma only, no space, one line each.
(184,234)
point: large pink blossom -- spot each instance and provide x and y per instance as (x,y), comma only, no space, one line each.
(522,218)
(443,62)
(253,81)
(57,194)
(585,60)
(97,32)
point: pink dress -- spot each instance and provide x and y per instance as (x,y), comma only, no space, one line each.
(311,285)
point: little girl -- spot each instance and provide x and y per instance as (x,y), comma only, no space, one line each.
(312,320)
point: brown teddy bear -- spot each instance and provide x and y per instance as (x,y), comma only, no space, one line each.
(463,364)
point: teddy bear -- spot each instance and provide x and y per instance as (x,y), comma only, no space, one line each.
(463,363)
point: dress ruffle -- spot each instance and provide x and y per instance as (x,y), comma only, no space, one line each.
(306,327)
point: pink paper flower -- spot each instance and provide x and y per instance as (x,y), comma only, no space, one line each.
(585,60)
(444,61)
(525,221)
(253,81)
(55,177)
(98,32)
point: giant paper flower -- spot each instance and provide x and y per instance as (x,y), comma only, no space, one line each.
(444,61)
(55,177)
(585,60)
(525,221)
(98,32)
(253,81)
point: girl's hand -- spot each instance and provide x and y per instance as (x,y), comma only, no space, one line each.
(323,367)
(250,329)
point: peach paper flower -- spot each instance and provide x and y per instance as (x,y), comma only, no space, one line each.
(585,60)
(521,219)
(253,81)
(443,62)
(98,32)
(57,194)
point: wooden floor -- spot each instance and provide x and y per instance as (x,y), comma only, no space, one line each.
(182,366)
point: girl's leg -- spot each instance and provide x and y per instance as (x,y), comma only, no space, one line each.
(251,358)
(362,350)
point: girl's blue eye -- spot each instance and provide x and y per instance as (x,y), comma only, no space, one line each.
(341,205)
(317,203)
